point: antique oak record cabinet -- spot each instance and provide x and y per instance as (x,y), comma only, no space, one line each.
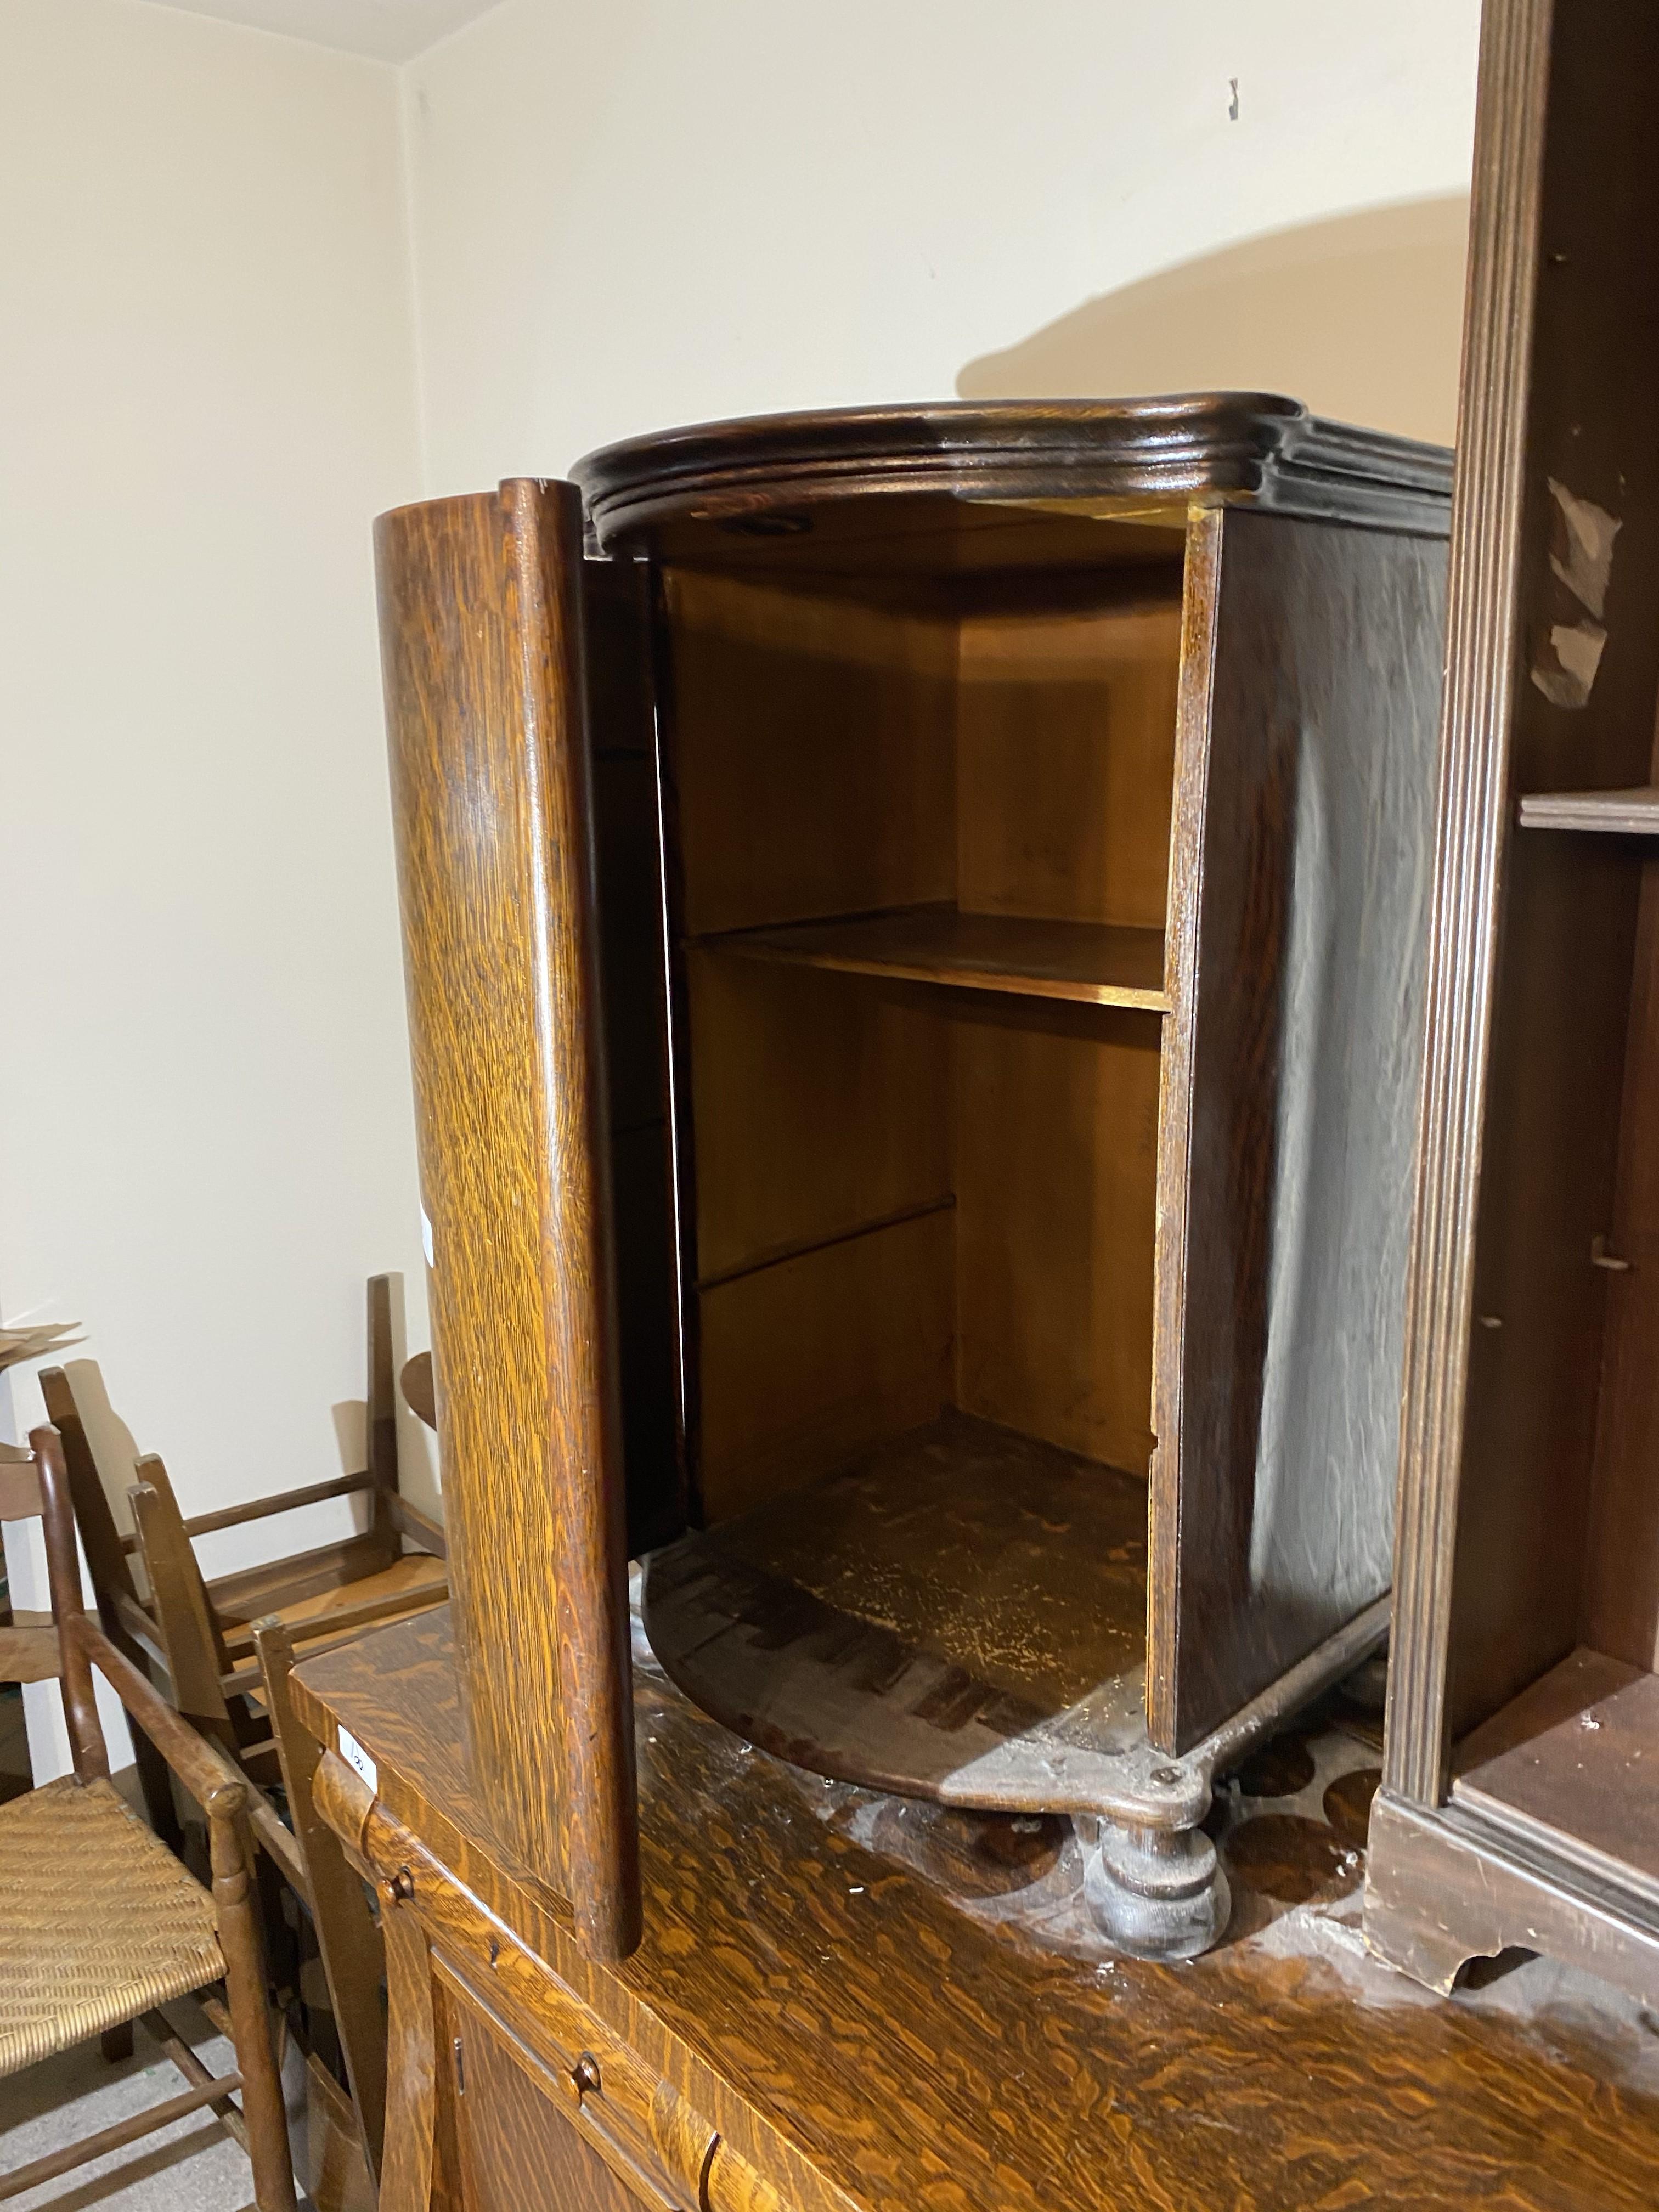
(914,921)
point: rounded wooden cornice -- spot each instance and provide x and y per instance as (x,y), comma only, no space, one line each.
(1254,447)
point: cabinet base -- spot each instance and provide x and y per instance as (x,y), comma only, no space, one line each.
(1444,1887)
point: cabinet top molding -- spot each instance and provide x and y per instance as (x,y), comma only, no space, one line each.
(1118,454)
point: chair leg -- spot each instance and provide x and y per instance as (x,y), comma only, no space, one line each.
(116,2043)
(250,2017)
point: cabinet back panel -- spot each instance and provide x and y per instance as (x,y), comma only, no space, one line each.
(829,756)
(812,756)
(1056,1172)
(822,1106)
(808,1361)
(1536,1341)
(1065,764)
(1622,1585)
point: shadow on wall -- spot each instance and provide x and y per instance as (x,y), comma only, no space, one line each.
(1362,317)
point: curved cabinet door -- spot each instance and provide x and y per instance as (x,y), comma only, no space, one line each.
(485,612)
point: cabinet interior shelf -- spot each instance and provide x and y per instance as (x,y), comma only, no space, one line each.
(1091,962)
(1614,813)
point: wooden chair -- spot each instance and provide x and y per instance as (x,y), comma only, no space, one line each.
(210,1643)
(209,1634)
(348,1939)
(101,1924)
(248,1712)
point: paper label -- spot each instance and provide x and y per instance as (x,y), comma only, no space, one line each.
(359,1760)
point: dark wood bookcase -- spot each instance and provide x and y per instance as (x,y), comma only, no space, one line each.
(916,925)
(1521,1797)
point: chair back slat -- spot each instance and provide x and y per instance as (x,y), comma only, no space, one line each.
(381,1413)
(27,1654)
(99,1476)
(86,1734)
(190,1634)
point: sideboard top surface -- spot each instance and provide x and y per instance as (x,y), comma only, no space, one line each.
(820,1998)
(766,474)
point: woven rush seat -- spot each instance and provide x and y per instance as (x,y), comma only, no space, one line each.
(99,1922)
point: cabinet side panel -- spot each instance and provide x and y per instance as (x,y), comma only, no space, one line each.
(633,977)
(482,646)
(1304,1045)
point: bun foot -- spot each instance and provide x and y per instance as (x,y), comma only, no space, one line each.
(1155,1893)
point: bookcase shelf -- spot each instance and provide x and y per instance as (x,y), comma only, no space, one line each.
(1612,813)
(1093,963)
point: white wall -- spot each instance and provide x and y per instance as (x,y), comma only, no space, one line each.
(206,393)
(647,213)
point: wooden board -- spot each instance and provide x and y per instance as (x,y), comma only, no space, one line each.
(1588,1786)
(1092,963)
(807,1362)
(1633,813)
(1056,1167)
(1297,946)
(811,755)
(905,1617)
(1066,763)
(820,1106)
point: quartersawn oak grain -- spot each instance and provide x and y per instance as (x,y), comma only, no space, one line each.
(1295,966)
(481,635)
(858,2042)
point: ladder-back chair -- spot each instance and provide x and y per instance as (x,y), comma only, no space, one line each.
(100,1924)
